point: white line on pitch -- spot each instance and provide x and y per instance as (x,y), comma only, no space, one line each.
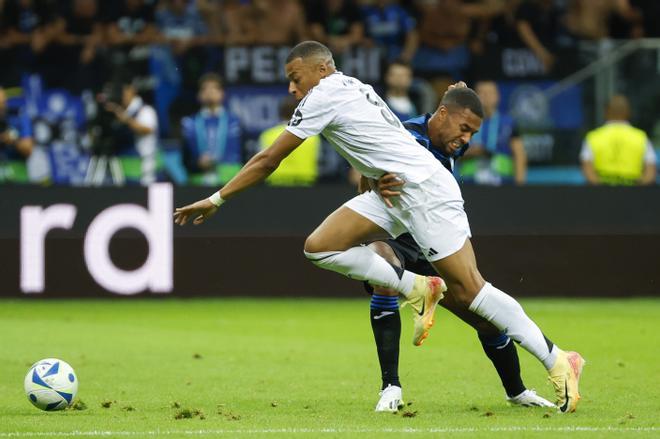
(94,433)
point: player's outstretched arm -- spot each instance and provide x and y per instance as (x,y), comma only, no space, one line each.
(259,167)
(255,171)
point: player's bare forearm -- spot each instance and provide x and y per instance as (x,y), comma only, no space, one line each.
(253,172)
(259,167)
(256,170)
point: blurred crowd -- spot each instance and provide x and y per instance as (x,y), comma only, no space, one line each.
(97,56)
(43,35)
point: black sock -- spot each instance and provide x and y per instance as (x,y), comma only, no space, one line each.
(502,352)
(386,325)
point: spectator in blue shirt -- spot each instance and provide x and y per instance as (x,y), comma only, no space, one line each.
(15,143)
(213,150)
(390,26)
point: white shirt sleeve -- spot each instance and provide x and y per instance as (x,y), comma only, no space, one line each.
(147,117)
(649,156)
(147,144)
(313,114)
(586,154)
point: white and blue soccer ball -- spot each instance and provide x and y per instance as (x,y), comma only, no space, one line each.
(51,384)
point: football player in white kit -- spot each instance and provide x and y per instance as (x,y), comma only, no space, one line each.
(355,120)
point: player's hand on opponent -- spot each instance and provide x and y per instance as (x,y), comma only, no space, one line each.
(389,185)
(200,211)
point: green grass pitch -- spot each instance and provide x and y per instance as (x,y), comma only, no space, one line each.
(301,367)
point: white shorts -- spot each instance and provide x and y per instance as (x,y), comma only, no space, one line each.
(431,211)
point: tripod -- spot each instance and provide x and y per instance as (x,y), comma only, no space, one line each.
(98,167)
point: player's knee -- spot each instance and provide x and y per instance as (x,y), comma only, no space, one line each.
(314,244)
(465,290)
(385,251)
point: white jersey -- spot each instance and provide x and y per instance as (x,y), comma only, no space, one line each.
(361,127)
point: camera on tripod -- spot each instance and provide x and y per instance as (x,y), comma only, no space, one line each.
(108,138)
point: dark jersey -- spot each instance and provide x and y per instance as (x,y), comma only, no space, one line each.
(419,128)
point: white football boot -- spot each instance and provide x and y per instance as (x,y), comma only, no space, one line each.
(391,399)
(529,398)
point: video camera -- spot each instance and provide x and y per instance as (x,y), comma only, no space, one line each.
(108,135)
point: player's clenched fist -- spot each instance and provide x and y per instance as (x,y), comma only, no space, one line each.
(200,211)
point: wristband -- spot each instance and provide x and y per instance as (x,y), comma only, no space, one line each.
(216,199)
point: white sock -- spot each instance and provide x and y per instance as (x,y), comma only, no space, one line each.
(362,263)
(507,315)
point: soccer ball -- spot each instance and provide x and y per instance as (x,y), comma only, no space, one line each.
(51,384)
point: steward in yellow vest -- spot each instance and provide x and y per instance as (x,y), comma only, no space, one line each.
(618,153)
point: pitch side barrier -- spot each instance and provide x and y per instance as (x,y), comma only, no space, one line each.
(121,242)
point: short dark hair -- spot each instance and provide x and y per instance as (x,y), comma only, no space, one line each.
(463,98)
(210,77)
(308,49)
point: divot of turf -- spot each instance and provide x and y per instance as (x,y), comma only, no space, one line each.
(107,404)
(227,413)
(189,414)
(78,404)
(409,414)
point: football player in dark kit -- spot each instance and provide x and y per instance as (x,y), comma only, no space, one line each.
(405,253)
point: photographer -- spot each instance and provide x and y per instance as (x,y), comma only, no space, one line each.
(141,122)
(15,143)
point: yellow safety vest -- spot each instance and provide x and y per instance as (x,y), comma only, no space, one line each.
(300,168)
(618,152)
